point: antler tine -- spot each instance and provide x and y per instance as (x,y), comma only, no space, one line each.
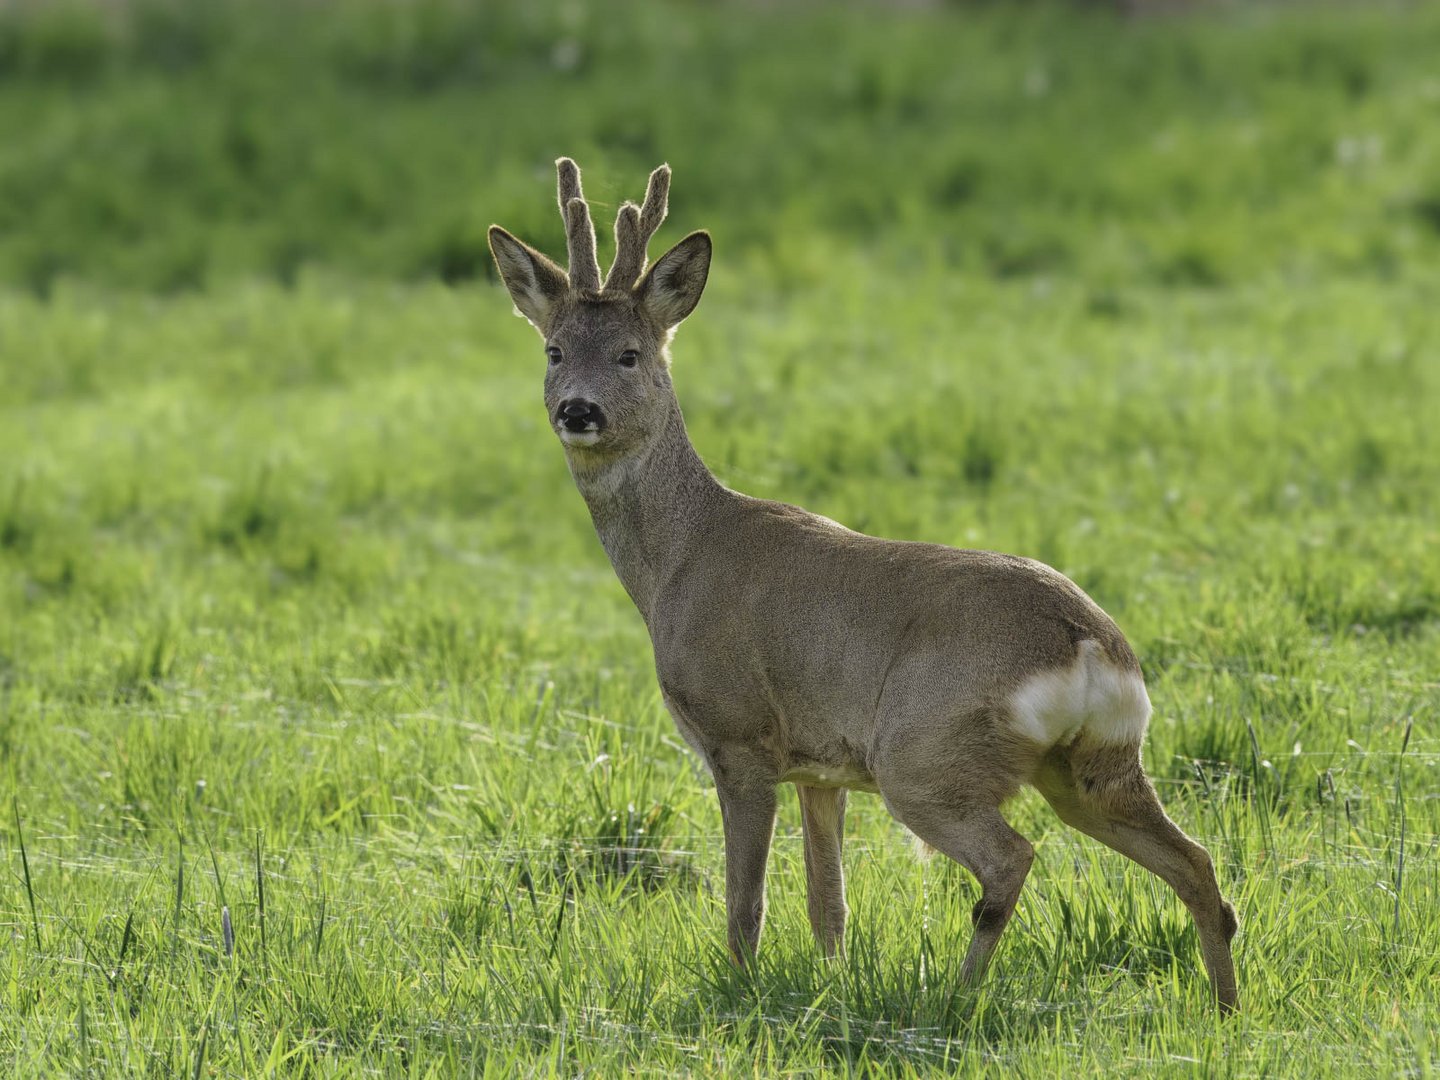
(629,249)
(657,201)
(579,230)
(568,173)
(633,229)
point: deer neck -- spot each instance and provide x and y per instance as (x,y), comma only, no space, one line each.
(648,505)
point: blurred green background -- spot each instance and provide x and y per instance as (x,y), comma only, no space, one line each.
(173,146)
(301,619)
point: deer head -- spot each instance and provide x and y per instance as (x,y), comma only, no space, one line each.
(607,386)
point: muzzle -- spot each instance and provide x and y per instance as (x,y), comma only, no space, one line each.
(577,415)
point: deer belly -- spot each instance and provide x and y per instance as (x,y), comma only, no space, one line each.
(830,776)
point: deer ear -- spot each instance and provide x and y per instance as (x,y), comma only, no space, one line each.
(536,284)
(672,287)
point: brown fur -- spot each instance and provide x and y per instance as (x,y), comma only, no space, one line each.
(790,648)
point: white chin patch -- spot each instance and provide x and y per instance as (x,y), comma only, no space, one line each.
(588,437)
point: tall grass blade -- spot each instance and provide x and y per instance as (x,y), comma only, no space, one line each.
(179,898)
(84,1036)
(260,894)
(126,937)
(215,867)
(1262,797)
(25,866)
(199,1068)
(320,926)
(1400,812)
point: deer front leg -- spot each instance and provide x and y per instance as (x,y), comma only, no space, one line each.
(823,816)
(747,806)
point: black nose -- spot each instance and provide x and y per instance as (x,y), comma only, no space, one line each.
(577,414)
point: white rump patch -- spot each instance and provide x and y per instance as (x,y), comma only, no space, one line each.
(1092,694)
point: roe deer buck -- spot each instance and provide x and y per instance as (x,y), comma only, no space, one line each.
(791,649)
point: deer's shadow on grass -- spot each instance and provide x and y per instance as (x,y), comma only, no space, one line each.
(868,1005)
(879,1004)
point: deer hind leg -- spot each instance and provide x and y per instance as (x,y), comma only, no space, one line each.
(823,818)
(979,839)
(1101,790)
(945,781)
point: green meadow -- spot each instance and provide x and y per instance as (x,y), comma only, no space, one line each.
(331,747)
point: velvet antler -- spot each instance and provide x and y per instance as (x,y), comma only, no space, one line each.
(579,230)
(634,226)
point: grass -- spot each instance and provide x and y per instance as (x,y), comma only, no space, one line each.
(301,620)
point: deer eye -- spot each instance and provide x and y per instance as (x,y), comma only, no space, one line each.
(628,358)
(553,353)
